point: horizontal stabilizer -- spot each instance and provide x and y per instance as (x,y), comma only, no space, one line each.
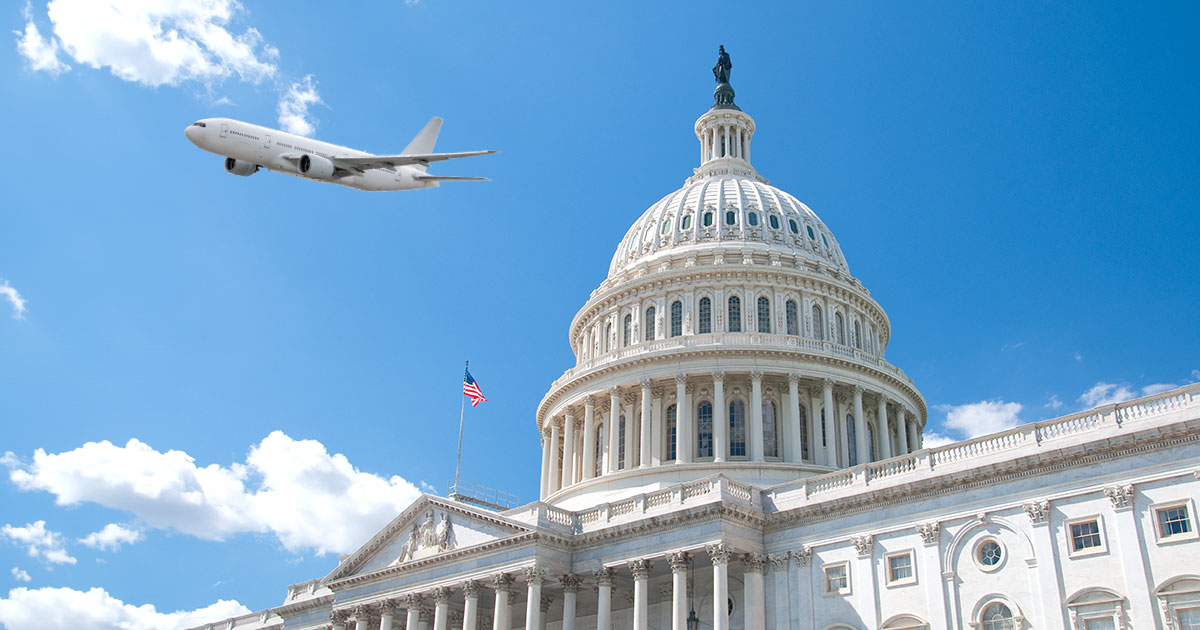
(448,178)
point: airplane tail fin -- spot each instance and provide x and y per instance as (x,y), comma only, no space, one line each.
(423,143)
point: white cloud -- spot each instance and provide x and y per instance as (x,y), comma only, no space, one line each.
(40,53)
(95,609)
(982,418)
(293,107)
(293,489)
(1157,388)
(20,575)
(1054,402)
(1078,357)
(111,537)
(14,298)
(934,440)
(39,542)
(1105,394)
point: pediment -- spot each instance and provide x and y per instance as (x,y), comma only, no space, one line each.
(430,527)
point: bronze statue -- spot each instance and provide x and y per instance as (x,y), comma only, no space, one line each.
(721,70)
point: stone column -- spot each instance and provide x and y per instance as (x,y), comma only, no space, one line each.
(720,554)
(641,593)
(568,469)
(365,618)
(1047,572)
(647,426)
(860,428)
(387,615)
(780,564)
(533,601)
(470,605)
(793,450)
(756,417)
(614,422)
(337,620)
(683,422)
(441,610)
(631,437)
(426,618)
(570,587)
(720,422)
(756,603)
(680,561)
(555,480)
(829,422)
(604,583)
(1133,560)
(589,438)
(547,602)
(502,615)
(902,430)
(885,430)
(914,436)
(412,605)
(935,589)
(816,449)
(545,465)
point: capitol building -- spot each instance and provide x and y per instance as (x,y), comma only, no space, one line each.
(733,450)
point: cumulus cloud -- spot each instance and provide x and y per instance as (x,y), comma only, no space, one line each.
(292,489)
(1105,394)
(96,609)
(39,52)
(1054,402)
(39,542)
(982,418)
(934,440)
(20,575)
(14,298)
(111,537)
(293,107)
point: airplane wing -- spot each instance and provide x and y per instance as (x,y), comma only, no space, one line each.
(389,161)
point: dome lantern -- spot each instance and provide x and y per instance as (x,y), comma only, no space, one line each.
(724,130)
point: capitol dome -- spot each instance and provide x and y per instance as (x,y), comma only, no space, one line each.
(728,337)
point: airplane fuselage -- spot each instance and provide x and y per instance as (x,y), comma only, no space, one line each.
(277,151)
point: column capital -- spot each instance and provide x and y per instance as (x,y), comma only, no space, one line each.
(546,603)
(754,562)
(1121,496)
(858,392)
(502,582)
(414,600)
(568,414)
(645,383)
(680,561)
(802,556)
(471,588)
(658,392)
(389,607)
(570,582)
(534,574)
(605,576)
(863,544)
(443,594)
(681,379)
(641,568)
(718,376)
(615,390)
(589,401)
(555,423)
(339,616)
(1038,511)
(756,376)
(793,378)
(779,561)
(930,532)
(828,383)
(720,553)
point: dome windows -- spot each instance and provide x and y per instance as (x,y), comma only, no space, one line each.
(737,428)
(793,324)
(792,224)
(686,222)
(753,219)
(705,319)
(818,322)
(730,217)
(676,318)
(774,221)
(704,429)
(666,228)
(628,327)
(707,220)
(764,315)
(811,235)
(649,324)
(825,240)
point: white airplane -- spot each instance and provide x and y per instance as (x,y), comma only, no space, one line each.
(249,147)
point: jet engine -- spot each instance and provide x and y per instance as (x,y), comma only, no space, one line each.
(316,167)
(240,168)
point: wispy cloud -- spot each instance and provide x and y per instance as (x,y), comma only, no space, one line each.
(982,418)
(1078,357)
(1054,402)
(20,575)
(96,609)
(14,298)
(294,116)
(40,53)
(111,537)
(1103,393)
(39,542)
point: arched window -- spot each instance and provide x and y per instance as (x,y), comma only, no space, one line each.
(621,444)
(770,430)
(649,324)
(671,429)
(792,224)
(793,323)
(607,335)
(997,616)
(676,318)
(804,434)
(599,451)
(857,336)
(818,323)
(774,221)
(851,440)
(753,218)
(737,428)
(735,314)
(730,217)
(626,334)
(705,316)
(704,429)
(839,328)
(764,314)
(707,220)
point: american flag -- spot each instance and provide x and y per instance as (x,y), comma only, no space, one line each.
(471,389)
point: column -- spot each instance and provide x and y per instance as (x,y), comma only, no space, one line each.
(756,603)
(568,469)
(829,425)
(902,430)
(780,564)
(756,417)
(471,605)
(680,561)
(413,605)
(935,589)
(683,422)
(604,582)
(387,615)
(555,481)
(1133,560)
(914,436)
(545,465)
(720,554)
(647,426)
(614,428)
(800,590)
(364,618)
(337,620)
(631,438)
(885,430)
(816,448)
(589,438)
(547,602)
(794,436)
(860,428)
(725,128)
(720,423)
(502,615)
(425,619)
(570,587)
(1047,572)
(441,611)
(533,601)
(641,593)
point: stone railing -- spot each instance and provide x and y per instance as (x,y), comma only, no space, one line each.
(1027,437)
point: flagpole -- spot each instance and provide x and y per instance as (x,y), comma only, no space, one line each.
(461,412)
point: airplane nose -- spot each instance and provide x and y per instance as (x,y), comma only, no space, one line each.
(191,132)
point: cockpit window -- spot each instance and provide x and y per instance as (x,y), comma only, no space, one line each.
(199,124)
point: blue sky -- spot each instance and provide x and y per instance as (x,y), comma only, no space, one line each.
(1015,184)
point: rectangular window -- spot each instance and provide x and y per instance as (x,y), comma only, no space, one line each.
(1189,619)
(1085,535)
(1174,521)
(1103,623)
(837,579)
(900,568)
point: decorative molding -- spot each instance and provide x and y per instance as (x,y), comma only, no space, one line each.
(641,568)
(501,582)
(534,574)
(754,562)
(471,588)
(680,561)
(681,379)
(1121,496)
(546,603)
(720,553)
(930,532)
(863,544)
(443,594)
(1038,511)
(570,582)
(756,375)
(605,576)
(803,556)
(718,376)
(779,561)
